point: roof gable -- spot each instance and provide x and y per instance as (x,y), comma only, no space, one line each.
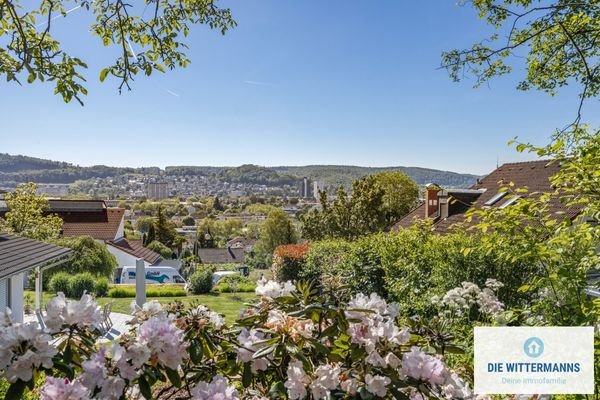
(18,254)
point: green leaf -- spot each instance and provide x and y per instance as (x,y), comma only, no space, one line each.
(247,375)
(103,74)
(31,78)
(15,391)
(173,377)
(145,388)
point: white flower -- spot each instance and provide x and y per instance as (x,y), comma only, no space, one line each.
(62,389)
(272,290)
(112,388)
(61,313)
(462,298)
(296,380)
(350,386)
(418,365)
(327,377)
(218,389)
(455,388)
(164,340)
(493,284)
(23,348)
(375,359)
(392,361)
(377,384)
(94,370)
(245,353)
(375,322)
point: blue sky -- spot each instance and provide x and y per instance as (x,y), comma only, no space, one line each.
(296,83)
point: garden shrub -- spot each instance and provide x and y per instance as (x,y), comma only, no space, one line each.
(101,287)
(61,282)
(235,283)
(151,291)
(288,260)
(200,282)
(82,283)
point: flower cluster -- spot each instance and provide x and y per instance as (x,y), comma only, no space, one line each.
(83,314)
(373,320)
(63,389)
(273,290)
(315,349)
(217,389)
(249,344)
(427,368)
(23,348)
(461,299)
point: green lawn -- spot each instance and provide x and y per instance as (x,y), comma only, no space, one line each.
(227,304)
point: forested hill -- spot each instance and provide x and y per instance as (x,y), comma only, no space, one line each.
(344,175)
(17,169)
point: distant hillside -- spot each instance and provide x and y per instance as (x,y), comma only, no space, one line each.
(344,175)
(254,174)
(17,169)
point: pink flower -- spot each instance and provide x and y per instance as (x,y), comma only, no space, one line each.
(62,389)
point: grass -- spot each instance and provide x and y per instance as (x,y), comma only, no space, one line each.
(228,304)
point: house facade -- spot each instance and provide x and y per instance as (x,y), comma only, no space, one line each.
(447,207)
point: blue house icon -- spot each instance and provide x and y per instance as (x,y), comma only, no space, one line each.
(533,347)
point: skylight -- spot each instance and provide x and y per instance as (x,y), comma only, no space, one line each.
(495,198)
(510,201)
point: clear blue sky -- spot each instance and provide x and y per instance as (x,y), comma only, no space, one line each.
(296,83)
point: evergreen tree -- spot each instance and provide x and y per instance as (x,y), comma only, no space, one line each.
(217,205)
(165,229)
(150,236)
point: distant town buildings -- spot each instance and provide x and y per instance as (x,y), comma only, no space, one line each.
(53,189)
(305,188)
(157,190)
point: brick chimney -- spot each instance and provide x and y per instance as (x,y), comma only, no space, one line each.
(431,199)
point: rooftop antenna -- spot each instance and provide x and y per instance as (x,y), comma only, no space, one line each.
(497,161)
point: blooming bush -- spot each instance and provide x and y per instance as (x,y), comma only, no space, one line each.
(288,261)
(291,344)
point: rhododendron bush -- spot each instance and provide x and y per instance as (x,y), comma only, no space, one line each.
(290,344)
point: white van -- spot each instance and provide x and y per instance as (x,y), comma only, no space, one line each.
(219,274)
(154,275)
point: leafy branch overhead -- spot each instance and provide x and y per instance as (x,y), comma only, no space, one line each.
(560,39)
(149,36)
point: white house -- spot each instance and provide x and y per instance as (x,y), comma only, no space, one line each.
(17,256)
(127,251)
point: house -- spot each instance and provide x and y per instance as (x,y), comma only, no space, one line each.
(85,218)
(222,256)
(240,242)
(17,257)
(447,207)
(89,218)
(127,251)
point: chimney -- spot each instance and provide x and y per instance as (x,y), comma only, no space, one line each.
(431,199)
(443,203)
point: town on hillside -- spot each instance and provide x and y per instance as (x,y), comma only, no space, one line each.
(296,200)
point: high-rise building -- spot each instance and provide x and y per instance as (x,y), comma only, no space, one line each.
(305,188)
(157,190)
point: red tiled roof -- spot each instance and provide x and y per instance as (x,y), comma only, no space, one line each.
(532,175)
(105,229)
(136,249)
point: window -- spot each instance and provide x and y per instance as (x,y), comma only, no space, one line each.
(495,198)
(510,201)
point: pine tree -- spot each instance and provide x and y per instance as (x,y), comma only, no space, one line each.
(151,235)
(165,231)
